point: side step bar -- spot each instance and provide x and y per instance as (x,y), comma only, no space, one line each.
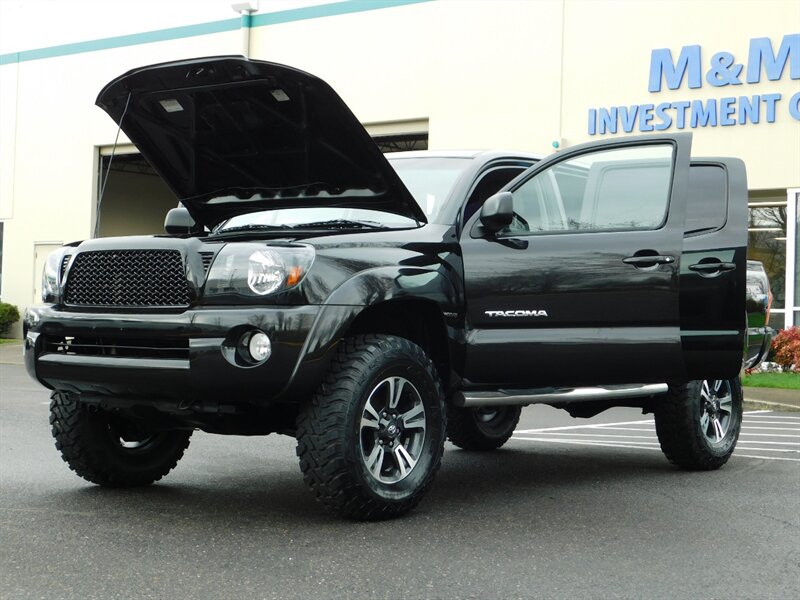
(556,395)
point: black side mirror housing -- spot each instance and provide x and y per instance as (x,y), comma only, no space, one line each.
(178,221)
(497,212)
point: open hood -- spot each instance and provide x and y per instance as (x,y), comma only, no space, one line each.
(231,136)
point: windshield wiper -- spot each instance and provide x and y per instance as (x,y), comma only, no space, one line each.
(341,224)
(250,227)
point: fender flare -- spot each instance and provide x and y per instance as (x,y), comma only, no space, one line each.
(366,289)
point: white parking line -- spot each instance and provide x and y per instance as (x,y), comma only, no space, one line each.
(592,426)
(769,415)
(763,422)
(651,429)
(589,443)
(762,440)
(647,437)
(599,435)
(772,428)
(765,457)
(767,449)
(775,443)
(767,435)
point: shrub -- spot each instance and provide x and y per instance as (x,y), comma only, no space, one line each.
(787,348)
(9,314)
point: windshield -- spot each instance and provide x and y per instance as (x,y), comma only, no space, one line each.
(296,217)
(430,179)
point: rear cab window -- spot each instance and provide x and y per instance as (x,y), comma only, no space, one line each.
(707,204)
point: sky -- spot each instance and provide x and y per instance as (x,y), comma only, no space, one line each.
(30,24)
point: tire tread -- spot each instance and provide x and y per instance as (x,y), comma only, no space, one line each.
(464,432)
(321,444)
(75,432)
(678,433)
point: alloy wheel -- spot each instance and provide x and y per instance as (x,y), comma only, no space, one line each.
(716,409)
(392,430)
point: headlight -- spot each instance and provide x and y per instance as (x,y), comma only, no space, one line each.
(51,275)
(265,272)
(258,269)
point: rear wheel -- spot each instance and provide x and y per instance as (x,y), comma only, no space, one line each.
(109,450)
(482,428)
(698,423)
(371,439)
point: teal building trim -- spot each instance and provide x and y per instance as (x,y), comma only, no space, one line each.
(174,33)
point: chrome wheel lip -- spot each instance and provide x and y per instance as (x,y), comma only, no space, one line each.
(392,431)
(716,410)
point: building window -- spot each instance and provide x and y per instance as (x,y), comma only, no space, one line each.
(770,234)
(766,243)
(793,202)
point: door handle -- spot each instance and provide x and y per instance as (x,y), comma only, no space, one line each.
(712,267)
(648,261)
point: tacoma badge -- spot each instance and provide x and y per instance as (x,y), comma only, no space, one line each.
(516,313)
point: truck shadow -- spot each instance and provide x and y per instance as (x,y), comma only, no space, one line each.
(518,479)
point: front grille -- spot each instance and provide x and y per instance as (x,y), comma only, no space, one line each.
(120,278)
(163,348)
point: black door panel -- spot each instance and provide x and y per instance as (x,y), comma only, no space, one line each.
(590,298)
(556,299)
(582,356)
(713,272)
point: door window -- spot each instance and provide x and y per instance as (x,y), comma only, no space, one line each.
(624,189)
(707,204)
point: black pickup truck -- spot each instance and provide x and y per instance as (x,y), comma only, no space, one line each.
(373,308)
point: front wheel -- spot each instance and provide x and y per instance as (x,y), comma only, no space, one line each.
(109,450)
(698,423)
(371,439)
(483,428)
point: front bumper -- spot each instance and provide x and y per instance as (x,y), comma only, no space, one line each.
(183,357)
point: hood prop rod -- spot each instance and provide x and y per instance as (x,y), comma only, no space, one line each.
(108,170)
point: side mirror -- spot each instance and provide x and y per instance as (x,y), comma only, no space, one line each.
(179,221)
(497,212)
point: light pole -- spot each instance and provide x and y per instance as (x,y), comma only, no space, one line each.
(246,9)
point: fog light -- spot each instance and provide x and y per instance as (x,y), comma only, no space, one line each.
(259,346)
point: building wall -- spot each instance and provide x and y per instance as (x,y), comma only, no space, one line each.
(57,131)
(612,69)
(502,74)
(474,69)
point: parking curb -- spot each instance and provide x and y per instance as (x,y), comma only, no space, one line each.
(755,404)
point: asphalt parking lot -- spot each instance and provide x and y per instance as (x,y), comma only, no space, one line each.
(568,509)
